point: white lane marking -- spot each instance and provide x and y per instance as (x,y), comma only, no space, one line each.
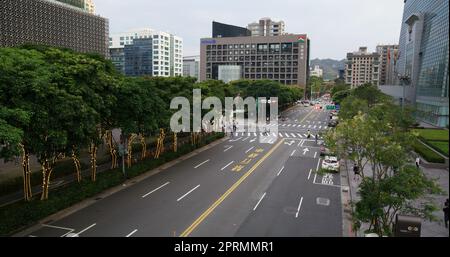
(256,206)
(315,154)
(283,125)
(320,127)
(274,134)
(201,164)
(245,139)
(315,126)
(271,141)
(317,168)
(289,125)
(293,135)
(304,126)
(305,135)
(51,226)
(303,141)
(299,206)
(134,231)
(287,135)
(253,140)
(299,135)
(339,186)
(31,236)
(315,176)
(228,148)
(227,165)
(254,134)
(309,175)
(279,172)
(249,149)
(293,152)
(154,190)
(280,134)
(300,142)
(84,230)
(190,191)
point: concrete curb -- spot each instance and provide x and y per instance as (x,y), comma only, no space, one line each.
(346,199)
(108,192)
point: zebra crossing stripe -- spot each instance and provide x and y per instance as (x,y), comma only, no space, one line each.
(293,135)
(286,134)
(299,135)
(280,134)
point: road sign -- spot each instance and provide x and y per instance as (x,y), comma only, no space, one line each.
(331,107)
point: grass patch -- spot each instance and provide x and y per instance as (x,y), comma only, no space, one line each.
(433,134)
(16,216)
(439,146)
(427,153)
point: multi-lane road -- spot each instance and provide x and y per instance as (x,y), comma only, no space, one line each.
(247,185)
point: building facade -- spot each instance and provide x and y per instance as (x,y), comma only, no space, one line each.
(139,57)
(279,58)
(388,55)
(225,30)
(267,27)
(191,66)
(167,56)
(117,56)
(87,5)
(316,72)
(362,67)
(423,58)
(53,23)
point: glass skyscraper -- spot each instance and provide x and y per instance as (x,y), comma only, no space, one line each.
(139,57)
(423,57)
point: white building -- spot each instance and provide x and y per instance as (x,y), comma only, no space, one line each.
(316,72)
(191,66)
(362,67)
(267,27)
(167,49)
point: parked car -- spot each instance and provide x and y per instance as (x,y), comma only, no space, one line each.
(330,163)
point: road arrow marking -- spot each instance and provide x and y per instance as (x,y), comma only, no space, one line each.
(305,151)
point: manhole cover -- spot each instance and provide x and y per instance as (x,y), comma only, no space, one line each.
(323,201)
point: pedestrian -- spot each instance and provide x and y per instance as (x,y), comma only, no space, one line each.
(309,133)
(417,161)
(317,138)
(446,213)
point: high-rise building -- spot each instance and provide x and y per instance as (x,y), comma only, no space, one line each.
(117,56)
(362,67)
(191,66)
(139,57)
(267,27)
(87,5)
(167,57)
(387,54)
(423,58)
(225,30)
(62,23)
(316,72)
(279,58)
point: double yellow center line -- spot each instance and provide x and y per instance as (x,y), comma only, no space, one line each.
(205,214)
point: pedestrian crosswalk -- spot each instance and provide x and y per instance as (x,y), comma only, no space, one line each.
(297,126)
(242,136)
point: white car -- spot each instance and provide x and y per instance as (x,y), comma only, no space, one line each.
(330,163)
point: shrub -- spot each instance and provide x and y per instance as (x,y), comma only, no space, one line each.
(427,153)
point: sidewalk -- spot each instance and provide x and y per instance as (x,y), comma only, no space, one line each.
(429,229)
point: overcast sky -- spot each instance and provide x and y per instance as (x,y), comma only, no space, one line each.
(335,27)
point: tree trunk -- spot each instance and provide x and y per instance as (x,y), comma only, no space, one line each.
(47,168)
(144,147)
(131,138)
(28,194)
(77,164)
(175,142)
(112,150)
(93,153)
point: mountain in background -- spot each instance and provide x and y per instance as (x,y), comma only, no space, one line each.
(330,67)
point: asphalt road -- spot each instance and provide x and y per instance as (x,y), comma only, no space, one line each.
(249,185)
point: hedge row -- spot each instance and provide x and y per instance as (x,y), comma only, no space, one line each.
(427,153)
(432,134)
(439,146)
(19,215)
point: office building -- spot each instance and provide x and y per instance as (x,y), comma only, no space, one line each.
(53,23)
(267,27)
(316,72)
(279,58)
(87,5)
(225,30)
(117,56)
(423,58)
(362,67)
(139,57)
(167,57)
(388,55)
(191,66)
